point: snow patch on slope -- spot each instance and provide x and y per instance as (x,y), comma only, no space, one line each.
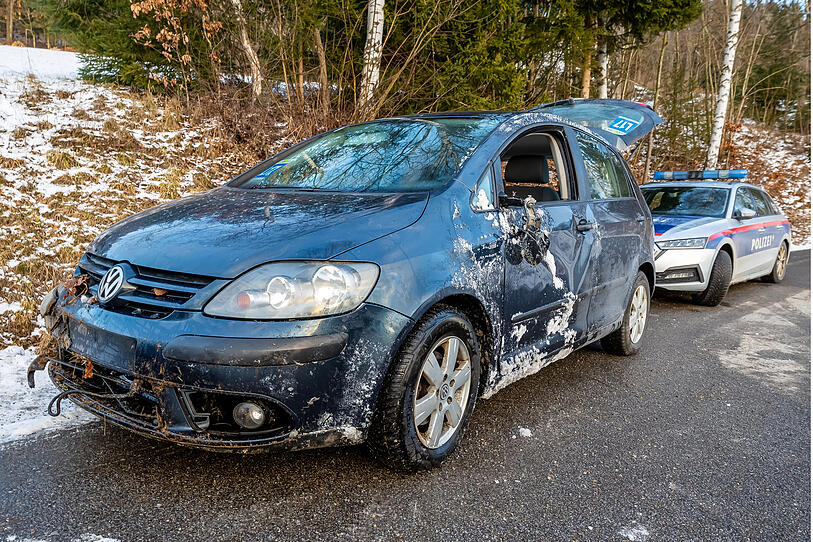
(42,63)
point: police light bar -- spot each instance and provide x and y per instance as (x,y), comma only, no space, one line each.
(702,174)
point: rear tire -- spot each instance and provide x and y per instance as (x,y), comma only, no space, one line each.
(780,265)
(719,281)
(627,340)
(413,426)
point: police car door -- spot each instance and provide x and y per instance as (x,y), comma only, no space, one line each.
(748,260)
(767,237)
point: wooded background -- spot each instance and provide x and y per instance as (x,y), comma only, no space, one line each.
(318,64)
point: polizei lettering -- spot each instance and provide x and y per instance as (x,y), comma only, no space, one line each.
(761,242)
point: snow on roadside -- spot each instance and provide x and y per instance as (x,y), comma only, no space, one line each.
(22,409)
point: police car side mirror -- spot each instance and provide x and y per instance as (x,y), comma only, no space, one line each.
(744,214)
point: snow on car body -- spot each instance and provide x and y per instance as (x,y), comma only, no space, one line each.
(696,221)
(369,283)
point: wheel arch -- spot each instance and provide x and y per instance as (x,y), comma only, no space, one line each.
(476,312)
(728,247)
(649,271)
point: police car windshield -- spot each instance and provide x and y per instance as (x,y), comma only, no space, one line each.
(403,155)
(687,200)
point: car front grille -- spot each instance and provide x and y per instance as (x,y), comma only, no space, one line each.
(157,292)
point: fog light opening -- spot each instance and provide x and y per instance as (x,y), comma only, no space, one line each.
(249,415)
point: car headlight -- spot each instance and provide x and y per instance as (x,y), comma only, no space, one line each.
(286,290)
(696,242)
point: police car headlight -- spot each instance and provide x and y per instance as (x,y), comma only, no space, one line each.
(696,242)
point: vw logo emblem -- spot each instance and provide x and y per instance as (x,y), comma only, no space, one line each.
(111,283)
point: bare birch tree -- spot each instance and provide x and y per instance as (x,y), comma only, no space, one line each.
(725,84)
(248,50)
(372,51)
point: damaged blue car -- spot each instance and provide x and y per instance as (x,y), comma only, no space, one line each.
(369,284)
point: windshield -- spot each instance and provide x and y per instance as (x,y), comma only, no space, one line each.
(687,200)
(385,156)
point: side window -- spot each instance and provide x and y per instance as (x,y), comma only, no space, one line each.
(761,205)
(603,170)
(482,199)
(769,203)
(534,165)
(742,201)
(622,176)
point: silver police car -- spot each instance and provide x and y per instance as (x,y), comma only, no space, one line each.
(711,234)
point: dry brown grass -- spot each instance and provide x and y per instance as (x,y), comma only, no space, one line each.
(10,163)
(61,159)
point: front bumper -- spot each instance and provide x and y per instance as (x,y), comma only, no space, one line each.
(318,379)
(684,270)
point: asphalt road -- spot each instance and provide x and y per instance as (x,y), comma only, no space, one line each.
(704,435)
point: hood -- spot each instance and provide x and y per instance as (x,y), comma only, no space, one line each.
(226,231)
(673,227)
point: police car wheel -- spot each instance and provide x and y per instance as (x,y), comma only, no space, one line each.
(719,281)
(627,340)
(779,267)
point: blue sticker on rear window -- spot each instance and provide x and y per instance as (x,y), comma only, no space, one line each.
(623,126)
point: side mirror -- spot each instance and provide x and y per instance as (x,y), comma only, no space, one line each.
(744,214)
(508,201)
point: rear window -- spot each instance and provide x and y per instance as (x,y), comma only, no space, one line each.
(385,156)
(687,200)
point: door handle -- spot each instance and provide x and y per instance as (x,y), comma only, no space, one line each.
(761,230)
(584,225)
(640,219)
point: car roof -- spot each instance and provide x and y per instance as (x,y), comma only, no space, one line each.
(712,184)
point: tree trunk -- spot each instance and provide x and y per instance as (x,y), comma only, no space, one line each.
(655,105)
(633,52)
(372,53)
(725,84)
(603,64)
(586,69)
(300,78)
(248,49)
(10,22)
(324,90)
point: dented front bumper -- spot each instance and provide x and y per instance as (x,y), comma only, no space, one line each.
(318,379)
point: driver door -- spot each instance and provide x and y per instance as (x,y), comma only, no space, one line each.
(546,290)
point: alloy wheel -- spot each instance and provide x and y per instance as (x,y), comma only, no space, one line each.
(638,313)
(442,392)
(782,261)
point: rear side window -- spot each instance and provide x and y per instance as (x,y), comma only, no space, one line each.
(766,199)
(605,174)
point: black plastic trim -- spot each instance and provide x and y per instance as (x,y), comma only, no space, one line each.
(254,352)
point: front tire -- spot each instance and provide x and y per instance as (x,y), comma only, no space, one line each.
(430,393)
(780,265)
(627,340)
(719,281)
